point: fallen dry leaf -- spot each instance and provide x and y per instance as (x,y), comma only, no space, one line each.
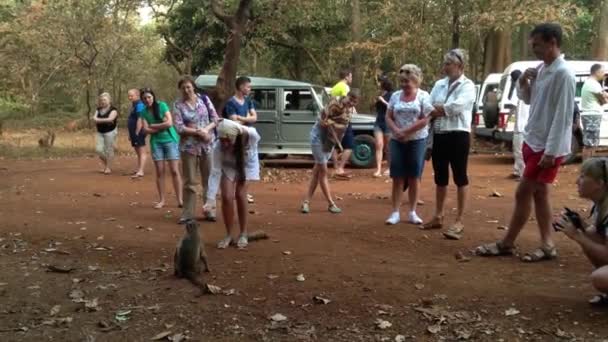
(272,276)
(161,336)
(321,300)
(382,324)
(59,269)
(399,338)
(76,295)
(495,194)
(229,292)
(55,310)
(278,318)
(287,252)
(92,305)
(511,312)
(434,329)
(419,286)
(461,257)
(212,289)
(300,277)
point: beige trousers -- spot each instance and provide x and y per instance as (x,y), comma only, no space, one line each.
(194,167)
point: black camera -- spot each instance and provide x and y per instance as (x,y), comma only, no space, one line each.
(573,217)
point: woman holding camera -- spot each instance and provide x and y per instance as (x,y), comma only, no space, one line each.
(591,234)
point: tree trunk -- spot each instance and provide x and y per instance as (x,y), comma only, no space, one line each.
(455,24)
(237,25)
(524,36)
(497,52)
(356,38)
(600,41)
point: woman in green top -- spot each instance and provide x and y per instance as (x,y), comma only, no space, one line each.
(164,143)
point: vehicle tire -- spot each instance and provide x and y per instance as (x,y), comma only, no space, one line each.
(490,115)
(364,151)
(575,148)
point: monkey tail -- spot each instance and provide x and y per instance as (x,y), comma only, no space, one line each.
(194,279)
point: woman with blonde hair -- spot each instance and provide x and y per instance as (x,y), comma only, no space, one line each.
(407,118)
(236,156)
(591,234)
(106,121)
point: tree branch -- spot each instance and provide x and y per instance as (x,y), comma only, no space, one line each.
(219,13)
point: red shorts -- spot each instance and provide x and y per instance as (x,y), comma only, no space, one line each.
(534,172)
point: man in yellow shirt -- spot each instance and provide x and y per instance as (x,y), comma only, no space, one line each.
(341,89)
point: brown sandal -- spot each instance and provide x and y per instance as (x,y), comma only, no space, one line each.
(435,223)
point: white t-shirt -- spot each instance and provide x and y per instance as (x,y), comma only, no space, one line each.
(407,113)
(589,103)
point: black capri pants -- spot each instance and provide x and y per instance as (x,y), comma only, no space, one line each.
(451,149)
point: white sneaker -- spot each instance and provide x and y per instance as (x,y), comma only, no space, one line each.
(412,217)
(394,218)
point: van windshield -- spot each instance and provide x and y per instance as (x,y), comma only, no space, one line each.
(322,96)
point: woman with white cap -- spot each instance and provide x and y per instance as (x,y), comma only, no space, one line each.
(236,155)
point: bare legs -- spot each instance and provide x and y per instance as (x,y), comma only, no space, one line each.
(232,192)
(160,181)
(141,160)
(319,177)
(528,191)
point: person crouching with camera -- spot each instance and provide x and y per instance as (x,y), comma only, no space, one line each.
(591,233)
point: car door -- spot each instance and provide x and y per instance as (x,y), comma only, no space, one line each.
(297,117)
(265,102)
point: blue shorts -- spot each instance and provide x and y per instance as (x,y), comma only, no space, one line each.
(381,126)
(165,151)
(348,141)
(407,158)
(136,139)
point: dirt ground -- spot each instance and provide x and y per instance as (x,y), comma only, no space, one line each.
(63,213)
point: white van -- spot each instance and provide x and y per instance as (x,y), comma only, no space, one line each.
(507,97)
(489,86)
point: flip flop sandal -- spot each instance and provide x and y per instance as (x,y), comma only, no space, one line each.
(435,223)
(599,300)
(540,254)
(493,249)
(334,209)
(342,176)
(454,232)
(158,205)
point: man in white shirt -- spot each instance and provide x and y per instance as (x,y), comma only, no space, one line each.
(593,97)
(549,90)
(453,98)
(520,111)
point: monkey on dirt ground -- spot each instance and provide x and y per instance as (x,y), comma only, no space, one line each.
(189,255)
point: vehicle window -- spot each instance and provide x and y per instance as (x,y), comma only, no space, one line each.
(502,86)
(323,95)
(298,99)
(264,99)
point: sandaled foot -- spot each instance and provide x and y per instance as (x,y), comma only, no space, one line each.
(494,249)
(343,176)
(250,199)
(159,205)
(377,174)
(386,173)
(107,171)
(224,243)
(137,175)
(333,208)
(305,209)
(454,232)
(243,242)
(435,223)
(540,254)
(599,300)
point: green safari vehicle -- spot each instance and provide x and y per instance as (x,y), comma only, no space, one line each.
(287,111)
